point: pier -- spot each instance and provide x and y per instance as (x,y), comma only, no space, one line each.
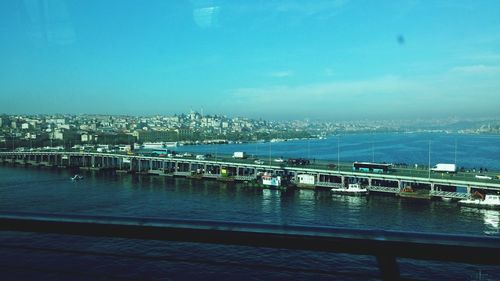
(397,181)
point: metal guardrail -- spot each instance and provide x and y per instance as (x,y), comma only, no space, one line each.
(383,189)
(329,184)
(449,194)
(386,246)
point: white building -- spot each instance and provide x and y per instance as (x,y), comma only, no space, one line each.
(86,137)
(306,179)
(57,135)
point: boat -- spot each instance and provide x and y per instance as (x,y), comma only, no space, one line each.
(270,181)
(408,192)
(352,189)
(490,201)
(76,177)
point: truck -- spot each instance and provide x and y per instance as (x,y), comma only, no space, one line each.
(444,168)
(239,155)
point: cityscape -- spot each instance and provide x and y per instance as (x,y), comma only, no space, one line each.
(249,140)
(31,131)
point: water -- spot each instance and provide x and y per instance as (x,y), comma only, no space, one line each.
(412,148)
(50,190)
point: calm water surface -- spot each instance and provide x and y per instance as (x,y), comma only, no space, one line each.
(411,148)
(26,257)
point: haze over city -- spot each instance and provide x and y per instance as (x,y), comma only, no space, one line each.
(271,59)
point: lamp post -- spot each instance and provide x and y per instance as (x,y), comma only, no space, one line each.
(429,159)
(269,154)
(455,152)
(373,153)
(338,153)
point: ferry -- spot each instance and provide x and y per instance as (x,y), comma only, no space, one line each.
(489,201)
(352,189)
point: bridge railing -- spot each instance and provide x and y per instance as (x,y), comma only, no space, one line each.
(449,194)
(386,246)
(383,189)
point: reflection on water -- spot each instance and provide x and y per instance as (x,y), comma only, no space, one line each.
(350,201)
(305,194)
(491,221)
(271,204)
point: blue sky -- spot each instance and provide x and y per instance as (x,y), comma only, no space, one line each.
(336,59)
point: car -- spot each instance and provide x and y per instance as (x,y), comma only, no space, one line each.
(259,162)
(299,161)
(279,160)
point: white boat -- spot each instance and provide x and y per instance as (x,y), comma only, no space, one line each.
(76,177)
(490,201)
(352,189)
(271,181)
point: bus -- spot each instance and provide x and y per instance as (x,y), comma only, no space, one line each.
(371,167)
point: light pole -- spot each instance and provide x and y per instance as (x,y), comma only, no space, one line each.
(455,151)
(338,153)
(269,154)
(373,153)
(216,150)
(429,159)
(308,148)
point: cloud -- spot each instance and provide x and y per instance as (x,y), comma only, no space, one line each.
(321,91)
(206,17)
(476,69)
(281,74)
(387,96)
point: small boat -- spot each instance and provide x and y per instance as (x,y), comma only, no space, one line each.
(489,201)
(270,181)
(76,177)
(352,189)
(409,193)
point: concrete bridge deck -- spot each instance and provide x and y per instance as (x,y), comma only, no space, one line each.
(246,169)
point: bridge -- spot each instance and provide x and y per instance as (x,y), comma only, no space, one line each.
(246,170)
